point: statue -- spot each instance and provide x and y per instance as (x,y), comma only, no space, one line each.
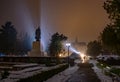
(38,34)
(36,45)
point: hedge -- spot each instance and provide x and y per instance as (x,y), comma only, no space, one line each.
(44,75)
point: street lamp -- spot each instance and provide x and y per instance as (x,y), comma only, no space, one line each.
(68,46)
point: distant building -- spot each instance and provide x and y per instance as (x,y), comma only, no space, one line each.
(80,46)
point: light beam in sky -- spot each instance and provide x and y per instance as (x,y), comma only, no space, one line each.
(24,14)
(84,19)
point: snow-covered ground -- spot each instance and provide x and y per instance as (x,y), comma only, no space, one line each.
(27,72)
(100,73)
(25,65)
(105,57)
(63,76)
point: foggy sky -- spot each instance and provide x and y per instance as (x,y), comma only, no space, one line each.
(24,15)
(83,19)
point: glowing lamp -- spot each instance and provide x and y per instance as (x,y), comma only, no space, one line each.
(68,44)
(60,55)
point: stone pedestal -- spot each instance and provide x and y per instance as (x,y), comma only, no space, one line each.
(36,49)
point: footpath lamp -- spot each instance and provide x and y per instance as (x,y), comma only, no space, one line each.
(68,46)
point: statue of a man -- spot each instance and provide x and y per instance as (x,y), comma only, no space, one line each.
(38,34)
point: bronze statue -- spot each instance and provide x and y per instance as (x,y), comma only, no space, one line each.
(38,34)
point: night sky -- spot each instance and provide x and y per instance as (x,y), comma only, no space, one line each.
(24,14)
(83,19)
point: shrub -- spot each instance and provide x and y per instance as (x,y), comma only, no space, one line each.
(4,74)
(44,75)
(115,71)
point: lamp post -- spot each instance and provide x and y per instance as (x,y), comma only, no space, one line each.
(68,46)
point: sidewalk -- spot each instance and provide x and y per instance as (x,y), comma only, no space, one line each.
(63,76)
(99,72)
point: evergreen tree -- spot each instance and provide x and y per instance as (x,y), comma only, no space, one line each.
(94,48)
(8,35)
(111,34)
(55,46)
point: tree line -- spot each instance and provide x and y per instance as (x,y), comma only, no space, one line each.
(109,40)
(10,43)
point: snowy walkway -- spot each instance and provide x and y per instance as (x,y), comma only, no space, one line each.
(99,72)
(63,76)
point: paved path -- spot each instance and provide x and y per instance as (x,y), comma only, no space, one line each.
(78,76)
(63,76)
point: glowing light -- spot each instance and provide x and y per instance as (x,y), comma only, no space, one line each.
(74,50)
(68,44)
(83,58)
(82,55)
(42,45)
(60,55)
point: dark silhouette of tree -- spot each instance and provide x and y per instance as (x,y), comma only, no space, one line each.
(110,36)
(55,46)
(94,48)
(8,35)
(113,9)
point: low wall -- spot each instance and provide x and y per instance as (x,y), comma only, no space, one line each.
(30,59)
